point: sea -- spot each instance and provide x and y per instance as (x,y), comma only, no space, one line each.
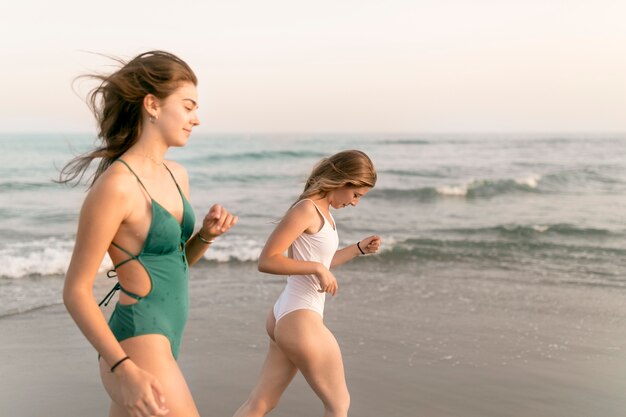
(531,209)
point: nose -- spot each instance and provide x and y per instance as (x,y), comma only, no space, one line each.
(195,120)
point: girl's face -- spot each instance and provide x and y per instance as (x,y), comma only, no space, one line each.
(177,115)
(347,196)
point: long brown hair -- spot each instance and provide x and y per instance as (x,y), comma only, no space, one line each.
(117,106)
(347,168)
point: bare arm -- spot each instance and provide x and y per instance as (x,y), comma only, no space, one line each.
(370,244)
(216,222)
(104,209)
(299,219)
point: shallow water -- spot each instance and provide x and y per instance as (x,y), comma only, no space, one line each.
(536,209)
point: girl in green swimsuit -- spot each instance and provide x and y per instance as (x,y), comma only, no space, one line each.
(137,210)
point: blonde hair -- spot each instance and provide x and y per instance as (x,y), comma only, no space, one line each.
(352,168)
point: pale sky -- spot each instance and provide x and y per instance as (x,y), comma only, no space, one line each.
(333,66)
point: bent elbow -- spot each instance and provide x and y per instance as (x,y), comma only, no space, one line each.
(71,296)
(266,264)
(67,299)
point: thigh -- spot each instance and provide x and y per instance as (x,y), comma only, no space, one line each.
(153,354)
(309,344)
(276,375)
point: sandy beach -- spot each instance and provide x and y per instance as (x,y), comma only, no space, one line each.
(436,346)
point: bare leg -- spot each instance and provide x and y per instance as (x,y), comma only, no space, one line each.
(307,342)
(277,373)
(153,354)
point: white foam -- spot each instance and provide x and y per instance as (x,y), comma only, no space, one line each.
(531,181)
(40,257)
(451,190)
(52,256)
(234,248)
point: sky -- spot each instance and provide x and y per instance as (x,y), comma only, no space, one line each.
(332,66)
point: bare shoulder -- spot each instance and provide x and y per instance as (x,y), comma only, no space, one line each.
(300,218)
(116,185)
(303,213)
(303,208)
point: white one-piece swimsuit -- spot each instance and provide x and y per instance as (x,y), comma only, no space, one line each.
(303,291)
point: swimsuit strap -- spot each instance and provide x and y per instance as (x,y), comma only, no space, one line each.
(137,176)
(107,298)
(174,178)
(308,199)
(333,224)
(111,273)
(132,257)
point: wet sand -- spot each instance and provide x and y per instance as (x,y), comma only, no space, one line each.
(415,343)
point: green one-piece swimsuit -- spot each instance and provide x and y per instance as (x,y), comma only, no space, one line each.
(165,308)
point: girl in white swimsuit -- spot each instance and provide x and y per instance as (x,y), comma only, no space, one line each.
(299,340)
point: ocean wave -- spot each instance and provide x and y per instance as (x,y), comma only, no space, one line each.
(496,245)
(51,256)
(407,141)
(26,186)
(498,252)
(524,231)
(471,190)
(491,188)
(242,178)
(255,156)
(589,175)
(425,193)
(234,249)
(567,181)
(416,173)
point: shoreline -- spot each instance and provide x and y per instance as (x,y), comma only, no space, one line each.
(507,352)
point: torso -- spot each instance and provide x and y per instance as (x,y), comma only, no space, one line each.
(302,291)
(160,264)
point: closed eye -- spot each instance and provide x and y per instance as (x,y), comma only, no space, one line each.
(190,101)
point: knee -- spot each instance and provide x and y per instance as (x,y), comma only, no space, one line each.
(340,405)
(345,403)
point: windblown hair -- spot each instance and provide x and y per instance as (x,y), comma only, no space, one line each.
(117,106)
(350,168)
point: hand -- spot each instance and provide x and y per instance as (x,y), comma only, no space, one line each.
(370,244)
(328,282)
(142,393)
(217,222)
